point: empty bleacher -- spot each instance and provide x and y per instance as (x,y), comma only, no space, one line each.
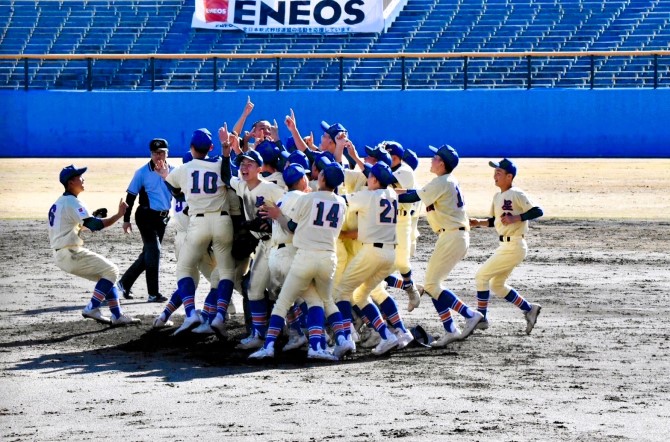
(424,26)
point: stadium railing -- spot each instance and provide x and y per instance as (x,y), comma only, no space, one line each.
(659,72)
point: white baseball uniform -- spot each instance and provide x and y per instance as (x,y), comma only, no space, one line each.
(445,210)
(512,249)
(405,176)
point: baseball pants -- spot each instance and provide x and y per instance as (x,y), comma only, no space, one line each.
(450,249)
(495,271)
(82,262)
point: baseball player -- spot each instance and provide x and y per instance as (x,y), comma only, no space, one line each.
(446,215)
(67,217)
(151,218)
(202,182)
(412,160)
(273,162)
(510,212)
(254,193)
(316,220)
(377,208)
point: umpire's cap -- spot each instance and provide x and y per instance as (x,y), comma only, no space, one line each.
(158,144)
(70,172)
(421,338)
(379,154)
(201,140)
(448,154)
(504,164)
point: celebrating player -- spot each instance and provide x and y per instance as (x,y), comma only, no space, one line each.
(67,216)
(510,212)
(446,215)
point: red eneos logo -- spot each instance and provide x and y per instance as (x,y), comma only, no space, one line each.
(216,10)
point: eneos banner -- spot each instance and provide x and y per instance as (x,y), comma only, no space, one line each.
(290,16)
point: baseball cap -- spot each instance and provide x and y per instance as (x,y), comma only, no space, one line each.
(70,172)
(333,173)
(379,154)
(202,140)
(158,144)
(394,148)
(270,152)
(411,159)
(290,144)
(448,155)
(293,173)
(332,129)
(188,156)
(383,173)
(421,337)
(297,157)
(323,158)
(251,155)
(504,164)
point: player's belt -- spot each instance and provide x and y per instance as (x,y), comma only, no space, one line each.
(508,238)
(403,212)
(445,230)
(380,245)
(281,246)
(223,213)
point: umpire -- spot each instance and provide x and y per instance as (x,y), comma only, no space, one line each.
(151,218)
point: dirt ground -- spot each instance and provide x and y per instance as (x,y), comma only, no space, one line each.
(594,368)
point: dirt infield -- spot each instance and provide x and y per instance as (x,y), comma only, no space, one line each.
(593,369)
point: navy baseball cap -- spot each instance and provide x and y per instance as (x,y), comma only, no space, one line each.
(251,155)
(332,172)
(448,155)
(297,157)
(290,144)
(504,164)
(332,129)
(158,144)
(293,173)
(202,140)
(270,152)
(383,174)
(379,154)
(394,148)
(188,156)
(411,159)
(321,159)
(70,172)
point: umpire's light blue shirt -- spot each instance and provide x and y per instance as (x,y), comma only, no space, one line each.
(150,186)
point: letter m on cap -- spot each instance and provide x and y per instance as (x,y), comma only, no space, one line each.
(216,11)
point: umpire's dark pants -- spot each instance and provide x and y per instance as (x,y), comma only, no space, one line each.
(152,228)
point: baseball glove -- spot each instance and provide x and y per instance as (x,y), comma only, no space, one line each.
(100,213)
(244,244)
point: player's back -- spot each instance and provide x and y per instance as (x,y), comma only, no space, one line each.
(319,216)
(200,181)
(377,215)
(65,221)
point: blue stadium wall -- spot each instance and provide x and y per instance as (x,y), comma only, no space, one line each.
(478,123)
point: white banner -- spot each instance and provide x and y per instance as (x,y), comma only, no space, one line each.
(290,16)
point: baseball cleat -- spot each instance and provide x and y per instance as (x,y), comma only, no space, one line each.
(404,339)
(217,325)
(157,298)
(344,347)
(263,353)
(482,325)
(447,338)
(203,329)
(354,333)
(414,297)
(385,345)
(189,324)
(96,315)
(126,293)
(251,342)
(295,340)
(531,317)
(159,323)
(470,324)
(321,355)
(124,320)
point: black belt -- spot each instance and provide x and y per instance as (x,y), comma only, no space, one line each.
(161,213)
(403,212)
(380,245)
(444,230)
(281,246)
(223,213)
(507,238)
(265,238)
